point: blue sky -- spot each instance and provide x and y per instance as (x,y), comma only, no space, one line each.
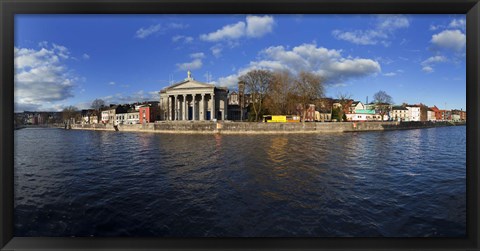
(63,60)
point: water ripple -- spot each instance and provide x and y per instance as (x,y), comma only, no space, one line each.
(89,183)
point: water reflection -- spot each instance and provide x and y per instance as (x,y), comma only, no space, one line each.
(277,149)
(87,183)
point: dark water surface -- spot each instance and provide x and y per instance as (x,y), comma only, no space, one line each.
(90,183)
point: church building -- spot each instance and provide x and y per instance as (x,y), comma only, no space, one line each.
(193,100)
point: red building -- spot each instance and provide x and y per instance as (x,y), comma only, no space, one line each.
(438,113)
(149,113)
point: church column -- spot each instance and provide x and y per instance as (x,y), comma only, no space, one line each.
(168,109)
(193,106)
(202,108)
(225,110)
(212,107)
(176,108)
(161,107)
(184,107)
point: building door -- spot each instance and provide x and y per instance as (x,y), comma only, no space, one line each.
(219,115)
(208,115)
(190,113)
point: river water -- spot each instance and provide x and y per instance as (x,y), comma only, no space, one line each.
(91,183)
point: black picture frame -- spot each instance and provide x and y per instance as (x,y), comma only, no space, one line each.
(11,7)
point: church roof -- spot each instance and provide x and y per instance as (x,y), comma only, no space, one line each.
(188,83)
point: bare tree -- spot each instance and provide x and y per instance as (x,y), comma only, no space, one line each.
(308,88)
(382,101)
(69,113)
(97,105)
(276,102)
(257,83)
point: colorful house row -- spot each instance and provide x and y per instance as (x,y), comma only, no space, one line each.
(38,118)
(357,111)
(139,113)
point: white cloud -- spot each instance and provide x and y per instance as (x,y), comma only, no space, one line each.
(111,83)
(145,32)
(61,51)
(362,37)
(177,26)
(195,64)
(228,81)
(232,31)
(390,74)
(43,44)
(308,57)
(434,59)
(85,56)
(184,39)
(41,78)
(258,26)
(138,96)
(392,22)
(435,27)
(427,69)
(254,26)
(458,24)
(454,24)
(385,26)
(177,38)
(197,55)
(157,28)
(217,50)
(450,39)
(427,65)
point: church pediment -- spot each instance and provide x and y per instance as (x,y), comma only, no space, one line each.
(190,84)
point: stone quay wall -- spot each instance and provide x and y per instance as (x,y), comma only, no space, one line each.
(228,127)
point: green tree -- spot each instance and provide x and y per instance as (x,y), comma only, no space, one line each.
(343,99)
(336,114)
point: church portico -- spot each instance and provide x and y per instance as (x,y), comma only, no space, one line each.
(191,100)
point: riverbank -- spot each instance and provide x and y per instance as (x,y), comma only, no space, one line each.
(39,126)
(228,127)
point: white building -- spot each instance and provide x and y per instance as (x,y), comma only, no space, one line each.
(365,115)
(456,117)
(105,116)
(193,100)
(121,118)
(356,106)
(233,98)
(132,117)
(413,113)
(399,113)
